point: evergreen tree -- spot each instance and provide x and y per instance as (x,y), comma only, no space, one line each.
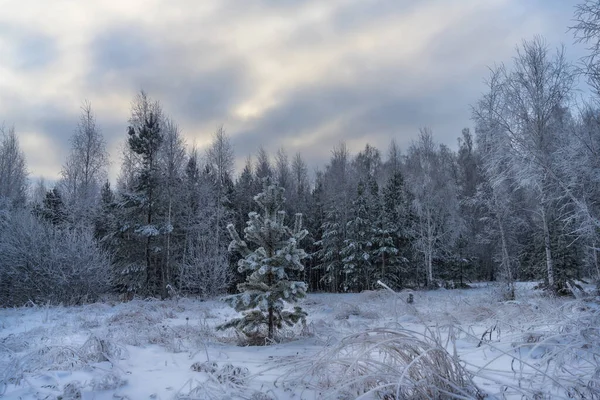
(244,187)
(104,222)
(145,140)
(315,218)
(53,208)
(335,191)
(356,253)
(263,168)
(394,231)
(139,262)
(268,287)
(330,247)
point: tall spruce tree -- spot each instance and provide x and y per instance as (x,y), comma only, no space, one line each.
(263,296)
(357,250)
(394,232)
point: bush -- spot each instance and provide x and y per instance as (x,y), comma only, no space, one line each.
(44,263)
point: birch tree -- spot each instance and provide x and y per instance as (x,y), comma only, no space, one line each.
(537,87)
(85,168)
(435,201)
(13,169)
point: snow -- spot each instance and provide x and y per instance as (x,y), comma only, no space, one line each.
(145,349)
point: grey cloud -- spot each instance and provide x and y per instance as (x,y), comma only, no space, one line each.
(300,112)
(355,15)
(161,69)
(375,109)
(121,49)
(58,126)
(30,49)
(348,18)
(202,97)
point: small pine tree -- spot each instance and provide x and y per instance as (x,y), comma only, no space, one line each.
(268,287)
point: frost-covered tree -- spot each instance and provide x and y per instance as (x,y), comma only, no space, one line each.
(13,170)
(85,168)
(300,184)
(435,202)
(580,165)
(367,163)
(52,208)
(245,186)
(336,203)
(274,256)
(357,251)
(532,96)
(394,231)
(219,166)
(282,171)
(263,168)
(496,196)
(204,268)
(587,30)
(43,262)
(172,161)
(139,264)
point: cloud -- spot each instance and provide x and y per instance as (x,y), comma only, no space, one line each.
(27,50)
(121,50)
(300,74)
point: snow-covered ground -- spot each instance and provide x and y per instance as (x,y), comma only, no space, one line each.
(352,343)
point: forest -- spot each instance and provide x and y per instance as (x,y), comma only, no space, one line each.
(516,201)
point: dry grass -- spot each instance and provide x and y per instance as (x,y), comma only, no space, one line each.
(390,364)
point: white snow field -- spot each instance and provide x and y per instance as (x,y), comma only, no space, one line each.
(448,344)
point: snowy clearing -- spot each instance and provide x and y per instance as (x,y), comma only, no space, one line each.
(533,347)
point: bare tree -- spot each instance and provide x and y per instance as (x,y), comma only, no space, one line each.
(85,167)
(220,157)
(538,86)
(435,203)
(495,194)
(13,170)
(45,263)
(204,268)
(587,30)
(282,170)
(172,158)
(220,161)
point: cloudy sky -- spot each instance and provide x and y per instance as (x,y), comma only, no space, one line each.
(303,75)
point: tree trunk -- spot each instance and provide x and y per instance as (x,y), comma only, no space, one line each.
(429,251)
(271,319)
(149,271)
(166,272)
(549,261)
(595,257)
(271,333)
(506,261)
(383,266)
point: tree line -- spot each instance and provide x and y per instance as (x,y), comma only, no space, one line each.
(517,200)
